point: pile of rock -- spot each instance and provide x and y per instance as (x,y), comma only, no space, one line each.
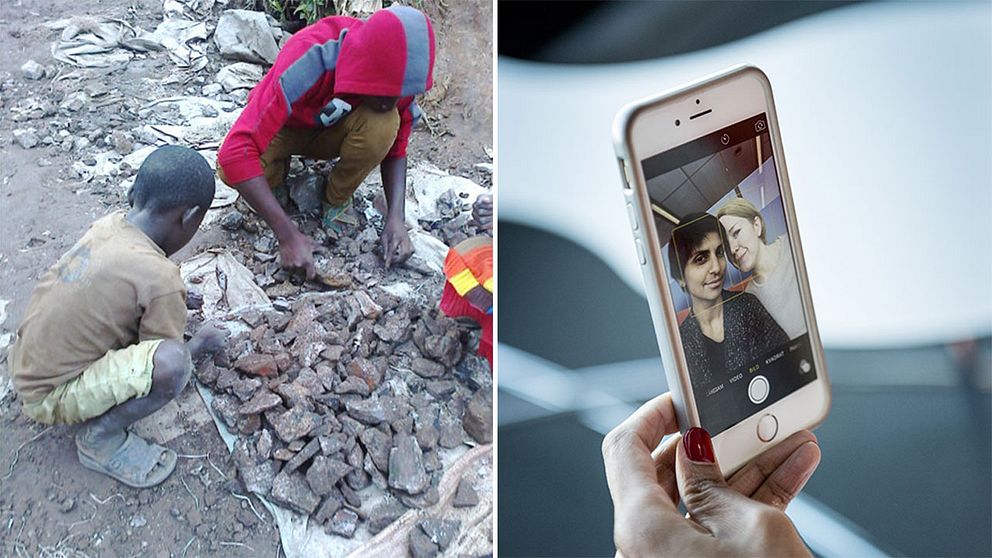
(349,389)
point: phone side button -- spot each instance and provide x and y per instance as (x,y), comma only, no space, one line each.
(767,428)
(640,251)
(631,216)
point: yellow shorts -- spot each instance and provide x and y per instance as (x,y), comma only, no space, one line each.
(117,377)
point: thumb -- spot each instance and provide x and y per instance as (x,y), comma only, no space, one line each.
(710,502)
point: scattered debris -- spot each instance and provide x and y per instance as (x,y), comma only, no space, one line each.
(33,70)
(245,35)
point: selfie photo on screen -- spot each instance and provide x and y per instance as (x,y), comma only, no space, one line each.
(719,214)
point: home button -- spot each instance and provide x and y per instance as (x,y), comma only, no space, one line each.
(767,428)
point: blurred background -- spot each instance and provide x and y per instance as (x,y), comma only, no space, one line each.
(886,116)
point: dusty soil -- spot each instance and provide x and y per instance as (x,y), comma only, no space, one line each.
(49,504)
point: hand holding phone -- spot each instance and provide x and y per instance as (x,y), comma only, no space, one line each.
(740,517)
(714,226)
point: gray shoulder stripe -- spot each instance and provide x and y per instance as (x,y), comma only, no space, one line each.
(418,50)
(301,75)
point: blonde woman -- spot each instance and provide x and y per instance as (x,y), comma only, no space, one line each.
(773,275)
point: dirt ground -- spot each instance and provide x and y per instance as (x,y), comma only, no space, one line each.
(49,504)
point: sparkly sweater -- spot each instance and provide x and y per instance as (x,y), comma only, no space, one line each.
(749,333)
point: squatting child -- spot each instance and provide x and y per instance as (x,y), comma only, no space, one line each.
(101,342)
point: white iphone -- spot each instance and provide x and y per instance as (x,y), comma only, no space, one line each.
(714,227)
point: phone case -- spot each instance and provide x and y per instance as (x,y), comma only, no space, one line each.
(648,248)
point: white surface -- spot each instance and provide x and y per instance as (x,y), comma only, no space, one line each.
(887,125)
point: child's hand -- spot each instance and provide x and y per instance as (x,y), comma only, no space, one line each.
(208,340)
(482,211)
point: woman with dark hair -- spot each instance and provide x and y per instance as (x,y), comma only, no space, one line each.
(724,331)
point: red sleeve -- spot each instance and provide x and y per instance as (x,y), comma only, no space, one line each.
(406,107)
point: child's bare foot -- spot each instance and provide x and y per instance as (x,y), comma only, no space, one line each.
(124,456)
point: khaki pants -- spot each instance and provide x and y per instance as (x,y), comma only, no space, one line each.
(361,139)
(113,379)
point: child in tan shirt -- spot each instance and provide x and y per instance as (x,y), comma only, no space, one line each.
(101,342)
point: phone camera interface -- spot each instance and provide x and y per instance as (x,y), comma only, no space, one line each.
(718,212)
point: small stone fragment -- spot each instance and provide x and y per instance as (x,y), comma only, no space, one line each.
(257,364)
(421,545)
(308,451)
(27,138)
(366,370)
(465,494)
(246,387)
(264,445)
(440,531)
(378,444)
(406,467)
(259,478)
(32,70)
(294,423)
(478,418)
(368,307)
(324,473)
(292,490)
(343,523)
(263,400)
(384,515)
(332,503)
(353,384)
(427,368)
(370,411)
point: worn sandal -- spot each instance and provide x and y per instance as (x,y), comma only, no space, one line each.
(137,463)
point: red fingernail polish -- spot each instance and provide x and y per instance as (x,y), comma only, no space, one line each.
(699,446)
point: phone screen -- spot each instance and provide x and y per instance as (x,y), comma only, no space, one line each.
(717,206)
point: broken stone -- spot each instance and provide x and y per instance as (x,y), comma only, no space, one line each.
(257,365)
(425,424)
(296,445)
(249,424)
(421,545)
(27,138)
(378,444)
(353,384)
(75,102)
(283,454)
(440,531)
(264,445)
(33,70)
(292,490)
(370,411)
(307,192)
(478,418)
(465,494)
(332,353)
(211,90)
(394,328)
(406,467)
(357,478)
(259,478)
(367,306)
(294,423)
(246,387)
(441,389)
(324,473)
(227,407)
(451,433)
(366,370)
(384,515)
(475,374)
(350,496)
(447,349)
(277,320)
(427,368)
(350,426)
(331,504)
(245,35)
(300,458)
(207,373)
(343,523)
(377,476)
(284,361)
(432,461)
(296,395)
(331,444)
(194,300)
(263,400)
(226,378)
(420,501)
